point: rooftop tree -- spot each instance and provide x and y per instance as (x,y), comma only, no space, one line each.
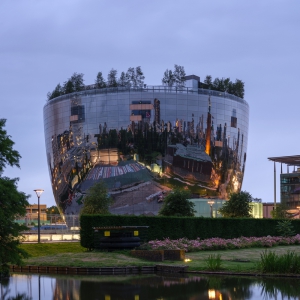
(176,77)
(179,76)
(139,76)
(236,88)
(100,82)
(74,83)
(58,91)
(123,80)
(112,78)
(168,78)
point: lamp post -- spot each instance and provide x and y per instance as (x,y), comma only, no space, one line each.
(210,202)
(39,193)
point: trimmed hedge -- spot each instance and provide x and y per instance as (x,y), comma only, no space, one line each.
(178,227)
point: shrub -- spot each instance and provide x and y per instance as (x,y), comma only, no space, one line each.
(190,228)
(285,228)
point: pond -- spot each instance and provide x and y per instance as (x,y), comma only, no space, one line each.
(193,287)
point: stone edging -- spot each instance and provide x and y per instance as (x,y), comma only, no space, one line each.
(133,270)
(99,271)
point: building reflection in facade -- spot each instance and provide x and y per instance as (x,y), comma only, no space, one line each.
(159,136)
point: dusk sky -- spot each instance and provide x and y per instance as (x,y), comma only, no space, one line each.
(42,43)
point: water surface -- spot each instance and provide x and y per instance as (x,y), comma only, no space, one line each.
(61,287)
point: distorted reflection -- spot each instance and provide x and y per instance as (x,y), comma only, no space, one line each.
(148,287)
(130,138)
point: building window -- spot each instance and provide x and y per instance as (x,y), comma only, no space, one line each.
(77,114)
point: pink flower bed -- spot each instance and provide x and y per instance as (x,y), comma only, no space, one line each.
(218,243)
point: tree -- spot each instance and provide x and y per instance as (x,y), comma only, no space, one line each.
(112,78)
(58,91)
(97,201)
(239,88)
(74,84)
(7,154)
(99,82)
(130,77)
(52,210)
(280,212)
(68,87)
(238,206)
(123,80)
(139,76)
(208,81)
(179,76)
(77,80)
(257,200)
(285,228)
(176,77)
(168,78)
(12,205)
(177,204)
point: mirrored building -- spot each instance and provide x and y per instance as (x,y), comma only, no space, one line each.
(142,142)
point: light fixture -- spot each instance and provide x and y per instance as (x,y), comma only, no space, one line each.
(211,203)
(39,193)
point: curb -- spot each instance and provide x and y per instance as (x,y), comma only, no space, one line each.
(98,271)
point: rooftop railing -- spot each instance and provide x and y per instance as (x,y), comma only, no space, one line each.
(93,90)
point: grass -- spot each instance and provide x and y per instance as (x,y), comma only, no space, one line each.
(288,262)
(45,249)
(73,255)
(214,262)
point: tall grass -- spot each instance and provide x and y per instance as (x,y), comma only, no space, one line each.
(214,262)
(288,263)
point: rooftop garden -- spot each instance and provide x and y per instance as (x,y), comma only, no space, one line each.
(134,77)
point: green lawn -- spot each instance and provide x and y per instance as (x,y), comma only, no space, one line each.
(45,249)
(73,255)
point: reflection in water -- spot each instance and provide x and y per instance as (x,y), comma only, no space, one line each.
(31,287)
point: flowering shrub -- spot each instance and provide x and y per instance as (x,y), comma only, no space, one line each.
(218,243)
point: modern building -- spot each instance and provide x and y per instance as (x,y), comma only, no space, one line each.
(209,208)
(32,212)
(143,141)
(289,182)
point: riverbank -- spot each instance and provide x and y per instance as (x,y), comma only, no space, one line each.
(238,261)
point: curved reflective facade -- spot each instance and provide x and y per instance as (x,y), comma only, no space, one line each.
(142,142)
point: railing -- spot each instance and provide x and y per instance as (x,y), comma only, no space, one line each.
(92,90)
(58,222)
(46,236)
(56,228)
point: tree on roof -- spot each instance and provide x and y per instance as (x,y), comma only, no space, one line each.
(177,77)
(100,82)
(112,78)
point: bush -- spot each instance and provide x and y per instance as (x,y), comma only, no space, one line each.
(179,227)
(285,228)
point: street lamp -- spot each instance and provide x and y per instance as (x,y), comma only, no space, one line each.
(39,193)
(210,202)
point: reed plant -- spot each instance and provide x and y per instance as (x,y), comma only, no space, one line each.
(214,262)
(287,263)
